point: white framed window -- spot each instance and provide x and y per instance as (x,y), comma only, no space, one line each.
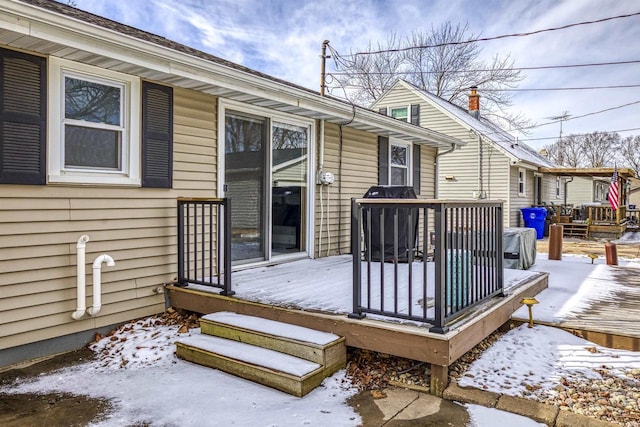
(400,113)
(522,182)
(94,130)
(399,164)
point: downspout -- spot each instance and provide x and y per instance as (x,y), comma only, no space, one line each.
(438,155)
(97,283)
(565,189)
(80,281)
(318,172)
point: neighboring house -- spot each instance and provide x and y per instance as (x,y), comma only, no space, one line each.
(492,165)
(103,127)
(634,192)
(587,190)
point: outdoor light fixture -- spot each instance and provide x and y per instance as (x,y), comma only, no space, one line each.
(450,178)
(529,302)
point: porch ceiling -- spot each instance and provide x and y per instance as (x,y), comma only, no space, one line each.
(77,36)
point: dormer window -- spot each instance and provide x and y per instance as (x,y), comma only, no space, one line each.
(401,113)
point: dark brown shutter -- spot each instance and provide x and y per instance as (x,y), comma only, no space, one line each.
(416,168)
(415,114)
(382,110)
(383,160)
(23,118)
(157,135)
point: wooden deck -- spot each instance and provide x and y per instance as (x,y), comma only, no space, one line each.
(271,293)
(611,320)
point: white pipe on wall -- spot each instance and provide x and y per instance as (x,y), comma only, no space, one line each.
(80,283)
(97,282)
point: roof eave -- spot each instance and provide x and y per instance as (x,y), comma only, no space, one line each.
(161,61)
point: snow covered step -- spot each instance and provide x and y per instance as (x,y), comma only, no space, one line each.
(323,348)
(277,370)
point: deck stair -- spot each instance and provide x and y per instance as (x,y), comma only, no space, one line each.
(289,358)
(575,229)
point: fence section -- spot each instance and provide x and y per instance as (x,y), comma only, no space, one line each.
(427,261)
(204,243)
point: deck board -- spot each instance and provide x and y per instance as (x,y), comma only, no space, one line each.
(318,294)
(610,319)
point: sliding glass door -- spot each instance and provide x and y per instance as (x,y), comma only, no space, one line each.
(266,177)
(245,170)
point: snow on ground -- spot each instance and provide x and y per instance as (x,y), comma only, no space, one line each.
(137,370)
(537,360)
(574,284)
(483,416)
(629,238)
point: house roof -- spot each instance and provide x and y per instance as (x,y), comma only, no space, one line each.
(504,141)
(52,28)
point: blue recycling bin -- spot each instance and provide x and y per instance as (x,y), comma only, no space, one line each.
(534,218)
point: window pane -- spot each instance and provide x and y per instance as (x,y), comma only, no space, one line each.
(288,201)
(92,102)
(245,153)
(399,113)
(94,148)
(398,155)
(398,176)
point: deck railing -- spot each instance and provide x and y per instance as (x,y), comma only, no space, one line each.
(606,215)
(204,243)
(425,261)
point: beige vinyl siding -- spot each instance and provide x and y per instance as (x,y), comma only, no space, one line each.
(40,225)
(580,190)
(518,201)
(359,173)
(427,173)
(549,189)
(463,163)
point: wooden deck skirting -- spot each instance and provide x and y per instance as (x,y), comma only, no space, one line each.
(409,341)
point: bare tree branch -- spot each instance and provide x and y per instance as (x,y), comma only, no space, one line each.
(446,71)
(630,153)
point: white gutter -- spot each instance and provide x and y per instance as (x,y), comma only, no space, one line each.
(97,283)
(72,32)
(80,281)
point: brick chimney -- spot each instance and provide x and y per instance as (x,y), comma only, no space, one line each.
(474,102)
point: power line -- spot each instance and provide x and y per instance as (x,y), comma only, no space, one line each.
(503,36)
(575,134)
(589,114)
(538,89)
(570,118)
(561,88)
(543,67)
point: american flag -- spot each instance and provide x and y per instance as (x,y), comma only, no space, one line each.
(613,190)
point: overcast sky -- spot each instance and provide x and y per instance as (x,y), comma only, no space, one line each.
(283,38)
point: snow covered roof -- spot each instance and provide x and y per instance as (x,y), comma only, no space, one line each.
(503,139)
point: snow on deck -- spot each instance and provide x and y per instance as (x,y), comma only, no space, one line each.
(272,327)
(252,354)
(325,284)
(593,297)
